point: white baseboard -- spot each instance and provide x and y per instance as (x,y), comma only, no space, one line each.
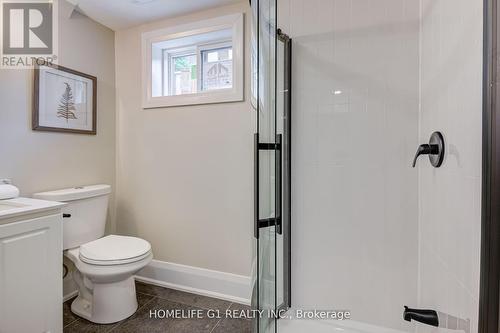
(226,286)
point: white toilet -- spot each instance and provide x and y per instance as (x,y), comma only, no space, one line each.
(105,266)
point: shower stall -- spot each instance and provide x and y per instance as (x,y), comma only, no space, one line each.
(368,174)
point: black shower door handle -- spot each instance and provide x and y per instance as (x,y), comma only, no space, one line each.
(271,221)
(279,188)
(256,185)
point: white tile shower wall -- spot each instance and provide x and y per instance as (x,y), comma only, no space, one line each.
(355,198)
(450,197)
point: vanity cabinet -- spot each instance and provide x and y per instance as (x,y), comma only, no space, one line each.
(31,273)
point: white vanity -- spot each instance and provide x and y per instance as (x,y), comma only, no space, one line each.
(30,266)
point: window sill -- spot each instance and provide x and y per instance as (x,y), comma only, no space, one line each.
(214,96)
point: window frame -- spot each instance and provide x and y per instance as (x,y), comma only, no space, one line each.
(234,22)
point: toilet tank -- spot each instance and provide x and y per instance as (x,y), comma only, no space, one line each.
(85,213)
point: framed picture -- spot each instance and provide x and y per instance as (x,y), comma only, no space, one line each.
(64,100)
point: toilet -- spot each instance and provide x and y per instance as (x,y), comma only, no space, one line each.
(105,266)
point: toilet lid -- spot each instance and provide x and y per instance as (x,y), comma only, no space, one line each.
(114,249)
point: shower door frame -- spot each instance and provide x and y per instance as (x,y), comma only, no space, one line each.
(286,198)
(489,294)
(281,146)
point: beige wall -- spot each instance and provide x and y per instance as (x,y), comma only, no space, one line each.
(184,174)
(38,161)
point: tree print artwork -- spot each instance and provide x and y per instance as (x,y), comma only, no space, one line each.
(66,108)
(64,100)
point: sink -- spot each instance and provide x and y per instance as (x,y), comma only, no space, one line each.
(10,205)
(12,209)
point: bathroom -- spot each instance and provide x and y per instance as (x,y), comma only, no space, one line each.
(249,166)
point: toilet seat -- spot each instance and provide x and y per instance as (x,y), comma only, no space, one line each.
(114,250)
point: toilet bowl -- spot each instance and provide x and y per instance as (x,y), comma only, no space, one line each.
(105,266)
(106,285)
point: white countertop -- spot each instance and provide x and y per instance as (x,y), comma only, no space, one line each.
(21,206)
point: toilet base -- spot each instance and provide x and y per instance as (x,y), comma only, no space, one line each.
(106,293)
(105,303)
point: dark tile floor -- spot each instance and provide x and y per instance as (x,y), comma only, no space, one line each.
(152,297)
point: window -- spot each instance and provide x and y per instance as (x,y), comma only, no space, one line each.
(217,68)
(181,74)
(194,64)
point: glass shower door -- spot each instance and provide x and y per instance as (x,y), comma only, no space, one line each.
(266,167)
(271,59)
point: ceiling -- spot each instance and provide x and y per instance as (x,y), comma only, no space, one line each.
(121,14)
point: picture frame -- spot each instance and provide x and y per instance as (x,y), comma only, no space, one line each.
(64,100)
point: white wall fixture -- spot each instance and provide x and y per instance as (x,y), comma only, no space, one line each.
(195,63)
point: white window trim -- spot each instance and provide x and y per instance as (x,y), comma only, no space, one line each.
(233,22)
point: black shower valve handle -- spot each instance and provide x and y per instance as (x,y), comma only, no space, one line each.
(425,149)
(435,150)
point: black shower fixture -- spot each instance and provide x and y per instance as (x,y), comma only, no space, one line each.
(435,150)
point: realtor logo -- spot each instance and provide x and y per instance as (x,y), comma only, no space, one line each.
(27,28)
(28,32)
